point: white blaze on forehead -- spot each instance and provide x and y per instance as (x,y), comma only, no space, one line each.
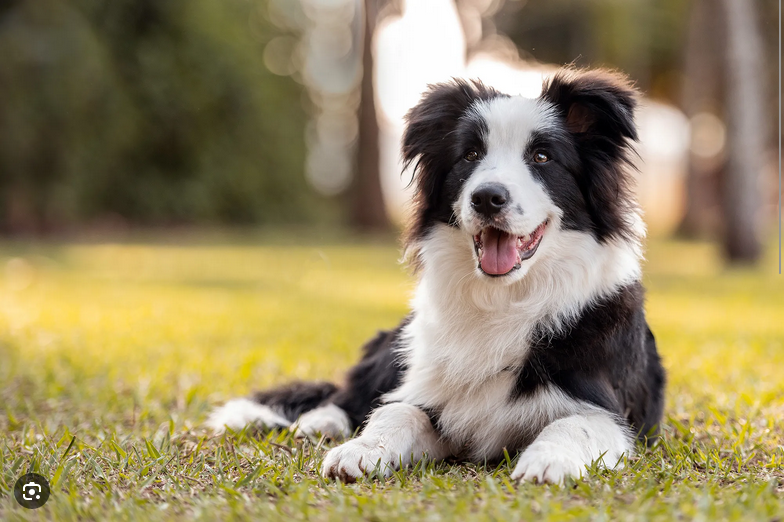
(510,122)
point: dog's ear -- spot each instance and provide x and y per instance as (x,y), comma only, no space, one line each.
(598,107)
(426,142)
(432,119)
(595,103)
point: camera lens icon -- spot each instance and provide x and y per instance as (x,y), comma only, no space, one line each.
(31,491)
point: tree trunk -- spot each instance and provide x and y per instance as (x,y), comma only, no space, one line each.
(367,209)
(701,93)
(745,131)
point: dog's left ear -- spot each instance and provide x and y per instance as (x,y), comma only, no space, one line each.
(594,103)
(598,109)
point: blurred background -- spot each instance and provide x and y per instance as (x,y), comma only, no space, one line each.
(201,197)
(137,114)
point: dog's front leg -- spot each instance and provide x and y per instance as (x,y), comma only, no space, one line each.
(396,435)
(567,445)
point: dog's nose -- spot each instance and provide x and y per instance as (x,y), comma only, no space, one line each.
(489,199)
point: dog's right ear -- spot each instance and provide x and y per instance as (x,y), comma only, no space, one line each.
(425,143)
(433,118)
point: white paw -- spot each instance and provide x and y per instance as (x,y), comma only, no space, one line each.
(238,413)
(545,461)
(358,457)
(330,421)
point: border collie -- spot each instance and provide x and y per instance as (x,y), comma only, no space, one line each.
(527,329)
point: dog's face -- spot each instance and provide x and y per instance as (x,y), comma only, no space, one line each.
(514,173)
(510,154)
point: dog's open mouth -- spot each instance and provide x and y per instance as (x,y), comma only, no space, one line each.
(500,252)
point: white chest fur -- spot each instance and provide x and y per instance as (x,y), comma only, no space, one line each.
(467,332)
(465,376)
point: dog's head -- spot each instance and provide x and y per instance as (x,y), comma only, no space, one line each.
(512,173)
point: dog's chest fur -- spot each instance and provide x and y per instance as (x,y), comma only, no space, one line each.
(465,341)
(464,376)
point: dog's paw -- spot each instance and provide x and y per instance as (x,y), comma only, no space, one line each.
(330,421)
(238,413)
(545,461)
(358,457)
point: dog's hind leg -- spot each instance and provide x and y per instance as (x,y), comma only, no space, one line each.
(347,409)
(328,420)
(321,408)
(271,409)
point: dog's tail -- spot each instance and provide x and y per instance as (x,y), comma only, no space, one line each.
(271,409)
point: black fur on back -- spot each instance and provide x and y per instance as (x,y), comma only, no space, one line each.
(607,358)
(377,373)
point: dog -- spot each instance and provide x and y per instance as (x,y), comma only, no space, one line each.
(527,329)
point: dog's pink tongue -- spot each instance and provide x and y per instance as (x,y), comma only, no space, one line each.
(500,251)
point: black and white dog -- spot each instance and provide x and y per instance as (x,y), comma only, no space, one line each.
(527,328)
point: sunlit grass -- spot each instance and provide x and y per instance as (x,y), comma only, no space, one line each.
(123,349)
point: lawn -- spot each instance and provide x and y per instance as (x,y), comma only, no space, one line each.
(111,356)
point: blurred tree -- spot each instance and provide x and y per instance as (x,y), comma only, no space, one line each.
(723,74)
(152,111)
(702,94)
(368,212)
(716,71)
(746,125)
(644,38)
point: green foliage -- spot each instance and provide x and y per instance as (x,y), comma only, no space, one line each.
(112,356)
(644,38)
(158,111)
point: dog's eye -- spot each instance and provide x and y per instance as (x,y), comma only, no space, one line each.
(541,157)
(471,155)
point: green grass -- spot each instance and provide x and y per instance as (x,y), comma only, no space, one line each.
(112,355)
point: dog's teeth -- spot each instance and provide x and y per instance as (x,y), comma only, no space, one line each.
(479,252)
